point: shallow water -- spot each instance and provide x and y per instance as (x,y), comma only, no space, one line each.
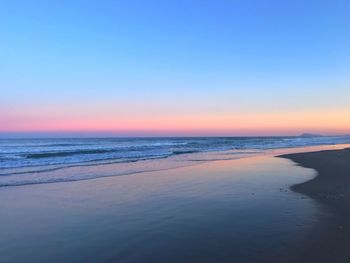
(221,211)
(39,161)
(63,152)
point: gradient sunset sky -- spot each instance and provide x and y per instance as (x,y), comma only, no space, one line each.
(137,68)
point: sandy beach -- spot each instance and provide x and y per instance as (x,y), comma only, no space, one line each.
(330,187)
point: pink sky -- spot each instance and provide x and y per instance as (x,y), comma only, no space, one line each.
(268,123)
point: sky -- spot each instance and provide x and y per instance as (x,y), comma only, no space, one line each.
(174,68)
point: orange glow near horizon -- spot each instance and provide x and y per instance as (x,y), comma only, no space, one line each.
(164,68)
(191,124)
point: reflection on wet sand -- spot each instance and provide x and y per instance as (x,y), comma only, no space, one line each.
(221,211)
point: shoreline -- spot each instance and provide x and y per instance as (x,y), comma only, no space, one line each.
(232,202)
(331,184)
(210,208)
(331,188)
(15,177)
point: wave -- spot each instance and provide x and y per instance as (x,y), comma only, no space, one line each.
(58,145)
(184,151)
(47,168)
(43,157)
(62,154)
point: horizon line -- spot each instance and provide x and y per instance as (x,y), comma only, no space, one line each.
(77,135)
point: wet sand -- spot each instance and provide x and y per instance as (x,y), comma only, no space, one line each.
(220,211)
(223,211)
(330,187)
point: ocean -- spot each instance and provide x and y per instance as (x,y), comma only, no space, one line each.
(28,161)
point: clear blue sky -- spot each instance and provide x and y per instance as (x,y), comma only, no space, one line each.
(97,62)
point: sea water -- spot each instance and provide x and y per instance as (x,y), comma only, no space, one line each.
(28,161)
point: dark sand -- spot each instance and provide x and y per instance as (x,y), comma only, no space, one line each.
(330,187)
